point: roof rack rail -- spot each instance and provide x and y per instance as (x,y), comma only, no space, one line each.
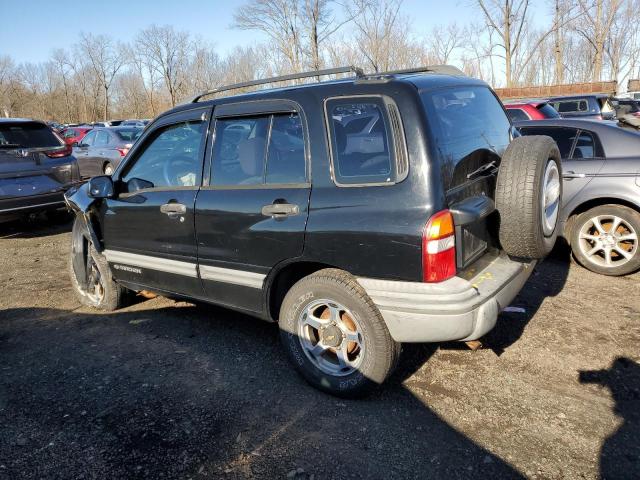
(283,78)
(443,69)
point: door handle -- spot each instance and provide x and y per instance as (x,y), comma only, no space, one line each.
(173,209)
(277,210)
(571,174)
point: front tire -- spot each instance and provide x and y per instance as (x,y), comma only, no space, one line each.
(335,336)
(98,290)
(605,240)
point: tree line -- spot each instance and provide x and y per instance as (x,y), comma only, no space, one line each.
(100,77)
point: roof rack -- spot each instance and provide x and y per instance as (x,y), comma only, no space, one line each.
(283,78)
(443,69)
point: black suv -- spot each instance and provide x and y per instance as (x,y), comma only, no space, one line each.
(357,213)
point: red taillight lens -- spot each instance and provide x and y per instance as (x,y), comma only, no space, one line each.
(123,151)
(59,152)
(438,248)
(598,117)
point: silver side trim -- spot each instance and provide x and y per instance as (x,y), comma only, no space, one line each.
(152,263)
(27,207)
(227,275)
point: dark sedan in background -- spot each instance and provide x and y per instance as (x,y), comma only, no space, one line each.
(596,106)
(36,168)
(102,149)
(601,199)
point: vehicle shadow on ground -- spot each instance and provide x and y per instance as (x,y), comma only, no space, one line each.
(38,225)
(201,392)
(620,453)
(547,280)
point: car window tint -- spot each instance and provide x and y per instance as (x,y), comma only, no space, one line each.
(102,139)
(564,137)
(70,133)
(585,146)
(27,135)
(129,135)
(285,155)
(470,130)
(516,114)
(171,157)
(88,138)
(239,151)
(571,106)
(360,142)
(548,111)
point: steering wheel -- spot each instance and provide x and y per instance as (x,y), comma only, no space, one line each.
(175,167)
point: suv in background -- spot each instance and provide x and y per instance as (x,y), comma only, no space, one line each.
(519,110)
(36,168)
(594,107)
(358,214)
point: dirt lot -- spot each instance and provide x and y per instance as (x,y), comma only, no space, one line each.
(167,389)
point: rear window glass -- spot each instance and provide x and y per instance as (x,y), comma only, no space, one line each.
(360,142)
(516,114)
(548,111)
(129,135)
(571,106)
(27,135)
(470,129)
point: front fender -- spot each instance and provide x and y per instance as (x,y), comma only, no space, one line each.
(84,206)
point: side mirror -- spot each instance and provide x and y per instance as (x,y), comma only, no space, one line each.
(101,187)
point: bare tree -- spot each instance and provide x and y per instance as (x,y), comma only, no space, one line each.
(444,40)
(106,59)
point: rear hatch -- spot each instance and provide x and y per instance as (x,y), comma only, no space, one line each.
(33,160)
(471,131)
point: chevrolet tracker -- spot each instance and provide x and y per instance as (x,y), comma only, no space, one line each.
(358,213)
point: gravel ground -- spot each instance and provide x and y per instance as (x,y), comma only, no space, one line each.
(167,389)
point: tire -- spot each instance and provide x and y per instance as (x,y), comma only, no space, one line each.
(108,169)
(107,295)
(528,196)
(370,360)
(586,238)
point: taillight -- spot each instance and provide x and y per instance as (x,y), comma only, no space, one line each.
(598,117)
(123,151)
(59,152)
(438,248)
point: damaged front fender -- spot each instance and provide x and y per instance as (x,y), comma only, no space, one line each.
(84,206)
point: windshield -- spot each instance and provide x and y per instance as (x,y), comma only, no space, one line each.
(129,135)
(470,129)
(27,135)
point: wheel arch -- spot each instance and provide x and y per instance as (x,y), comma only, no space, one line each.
(592,203)
(282,279)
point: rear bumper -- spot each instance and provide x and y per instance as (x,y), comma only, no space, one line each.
(456,309)
(30,203)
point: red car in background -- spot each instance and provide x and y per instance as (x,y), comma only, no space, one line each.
(530,110)
(73,135)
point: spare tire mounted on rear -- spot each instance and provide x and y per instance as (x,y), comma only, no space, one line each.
(528,196)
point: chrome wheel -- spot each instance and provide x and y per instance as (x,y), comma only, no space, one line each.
(550,198)
(608,241)
(331,337)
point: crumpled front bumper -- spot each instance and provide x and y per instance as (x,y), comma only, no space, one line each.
(456,309)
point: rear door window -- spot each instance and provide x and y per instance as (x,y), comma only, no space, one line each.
(585,146)
(27,135)
(88,139)
(102,139)
(259,150)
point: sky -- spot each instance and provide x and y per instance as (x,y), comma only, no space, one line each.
(31,29)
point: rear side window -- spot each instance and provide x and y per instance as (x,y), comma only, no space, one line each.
(129,135)
(258,150)
(360,141)
(564,137)
(27,135)
(470,129)
(102,139)
(517,114)
(585,146)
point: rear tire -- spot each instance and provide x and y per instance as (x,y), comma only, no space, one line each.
(591,247)
(349,352)
(108,169)
(528,196)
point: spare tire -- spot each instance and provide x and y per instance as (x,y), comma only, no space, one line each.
(528,196)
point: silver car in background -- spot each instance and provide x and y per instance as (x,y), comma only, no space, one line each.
(102,149)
